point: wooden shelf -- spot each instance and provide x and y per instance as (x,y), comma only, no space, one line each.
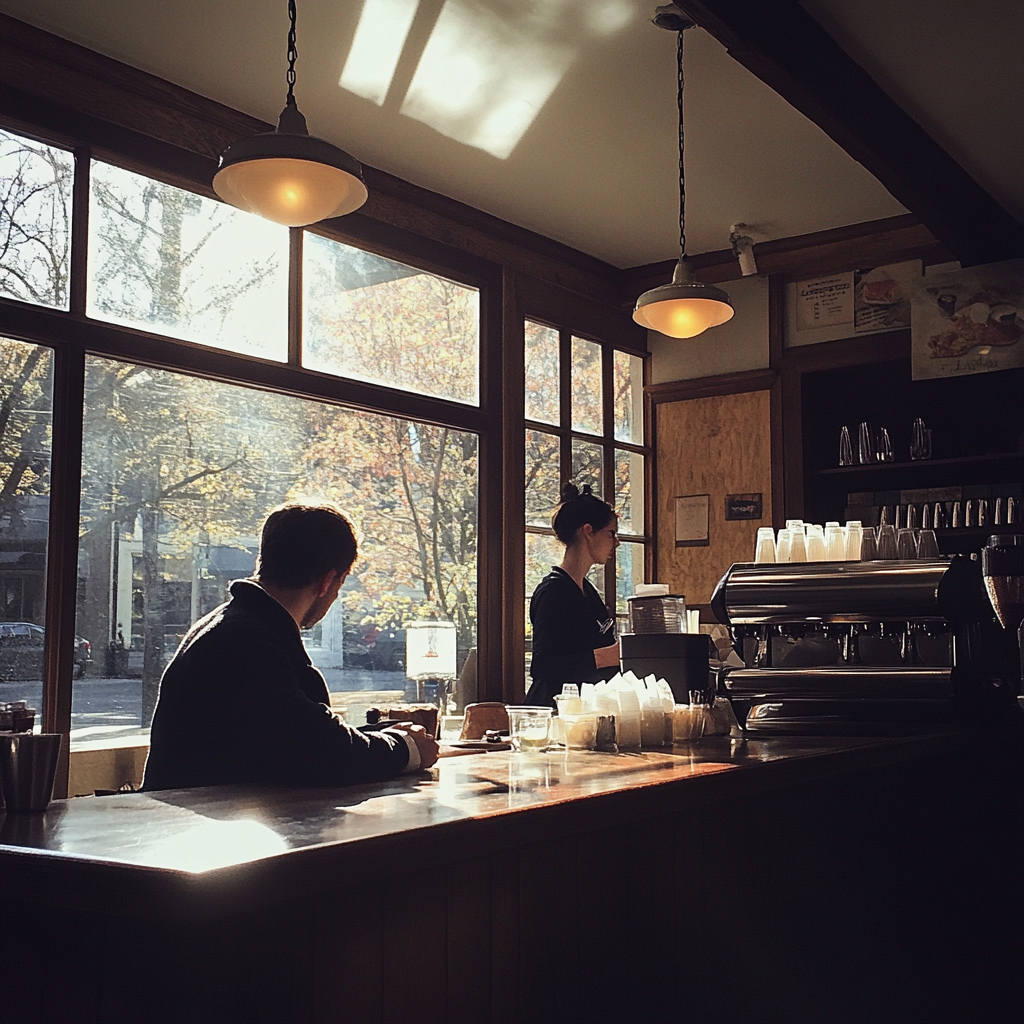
(892,467)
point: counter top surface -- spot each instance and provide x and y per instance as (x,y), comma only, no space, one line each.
(196,831)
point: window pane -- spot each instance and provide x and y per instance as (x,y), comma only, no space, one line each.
(35,221)
(629,491)
(168,261)
(542,552)
(587,464)
(26,386)
(542,401)
(369,318)
(586,387)
(629,571)
(178,474)
(542,477)
(629,398)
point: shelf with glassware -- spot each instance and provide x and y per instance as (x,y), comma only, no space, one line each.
(969,430)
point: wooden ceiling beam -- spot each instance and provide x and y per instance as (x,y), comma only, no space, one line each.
(853,247)
(783,46)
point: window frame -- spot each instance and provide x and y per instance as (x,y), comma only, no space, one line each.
(606,440)
(71,336)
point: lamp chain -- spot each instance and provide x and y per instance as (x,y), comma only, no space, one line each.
(293,53)
(682,183)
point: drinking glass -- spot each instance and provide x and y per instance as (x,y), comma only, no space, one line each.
(854,540)
(764,549)
(785,546)
(835,542)
(927,545)
(906,544)
(797,545)
(883,446)
(845,448)
(865,444)
(886,543)
(815,544)
(528,728)
(911,523)
(868,546)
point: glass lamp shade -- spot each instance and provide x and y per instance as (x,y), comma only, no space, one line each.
(290,178)
(684,308)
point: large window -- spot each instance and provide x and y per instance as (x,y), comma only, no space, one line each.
(179,465)
(178,474)
(584,423)
(172,368)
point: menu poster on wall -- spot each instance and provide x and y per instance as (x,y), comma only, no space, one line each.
(824,302)
(692,520)
(881,296)
(968,321)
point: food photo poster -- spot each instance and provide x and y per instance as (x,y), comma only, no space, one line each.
(968,321)
(881,296)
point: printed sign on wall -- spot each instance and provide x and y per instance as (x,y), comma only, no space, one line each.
(692,520)
(824,302)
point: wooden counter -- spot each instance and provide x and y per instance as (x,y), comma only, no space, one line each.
(718,880)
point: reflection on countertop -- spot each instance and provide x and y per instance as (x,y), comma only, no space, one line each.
(195,831)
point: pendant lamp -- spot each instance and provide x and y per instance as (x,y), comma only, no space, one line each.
(684,308)
(289,176)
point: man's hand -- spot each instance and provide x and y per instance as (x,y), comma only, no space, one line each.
(426,745)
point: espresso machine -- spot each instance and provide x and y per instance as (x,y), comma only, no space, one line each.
(863,648)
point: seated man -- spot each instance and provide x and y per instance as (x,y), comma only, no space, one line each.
(241,702)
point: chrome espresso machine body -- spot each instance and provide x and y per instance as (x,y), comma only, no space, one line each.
(863,648)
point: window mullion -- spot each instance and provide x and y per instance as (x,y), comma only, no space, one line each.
(295,241)
(80,230)
(62,548)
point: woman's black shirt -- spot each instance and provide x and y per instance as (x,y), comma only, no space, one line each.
(568,625)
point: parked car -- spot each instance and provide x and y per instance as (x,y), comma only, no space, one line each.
(379,650)
(21,651)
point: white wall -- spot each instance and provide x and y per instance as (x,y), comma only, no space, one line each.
(739,344)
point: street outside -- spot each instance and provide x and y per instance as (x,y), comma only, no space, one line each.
(112,708)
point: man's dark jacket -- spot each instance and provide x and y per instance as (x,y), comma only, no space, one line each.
(241,703)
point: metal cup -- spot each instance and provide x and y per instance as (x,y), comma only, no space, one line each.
(28,764)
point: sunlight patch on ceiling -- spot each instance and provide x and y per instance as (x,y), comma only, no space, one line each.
(488,66)
(482,80)
(376,47)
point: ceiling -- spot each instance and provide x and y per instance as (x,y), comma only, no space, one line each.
(559,115)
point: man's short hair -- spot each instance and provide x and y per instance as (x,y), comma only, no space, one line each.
(300,544)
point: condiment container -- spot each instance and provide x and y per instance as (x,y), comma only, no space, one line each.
(580,730)
(657,613)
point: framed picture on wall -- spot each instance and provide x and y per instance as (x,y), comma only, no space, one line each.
(743,506)
(692,518)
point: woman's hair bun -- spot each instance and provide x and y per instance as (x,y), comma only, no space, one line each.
(579,505)
(570,492)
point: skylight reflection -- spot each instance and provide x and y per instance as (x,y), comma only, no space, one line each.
(376,47)
(482,79)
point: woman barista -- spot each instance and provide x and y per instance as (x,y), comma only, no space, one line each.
(573,635)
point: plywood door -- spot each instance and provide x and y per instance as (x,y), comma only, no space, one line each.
(715,446)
